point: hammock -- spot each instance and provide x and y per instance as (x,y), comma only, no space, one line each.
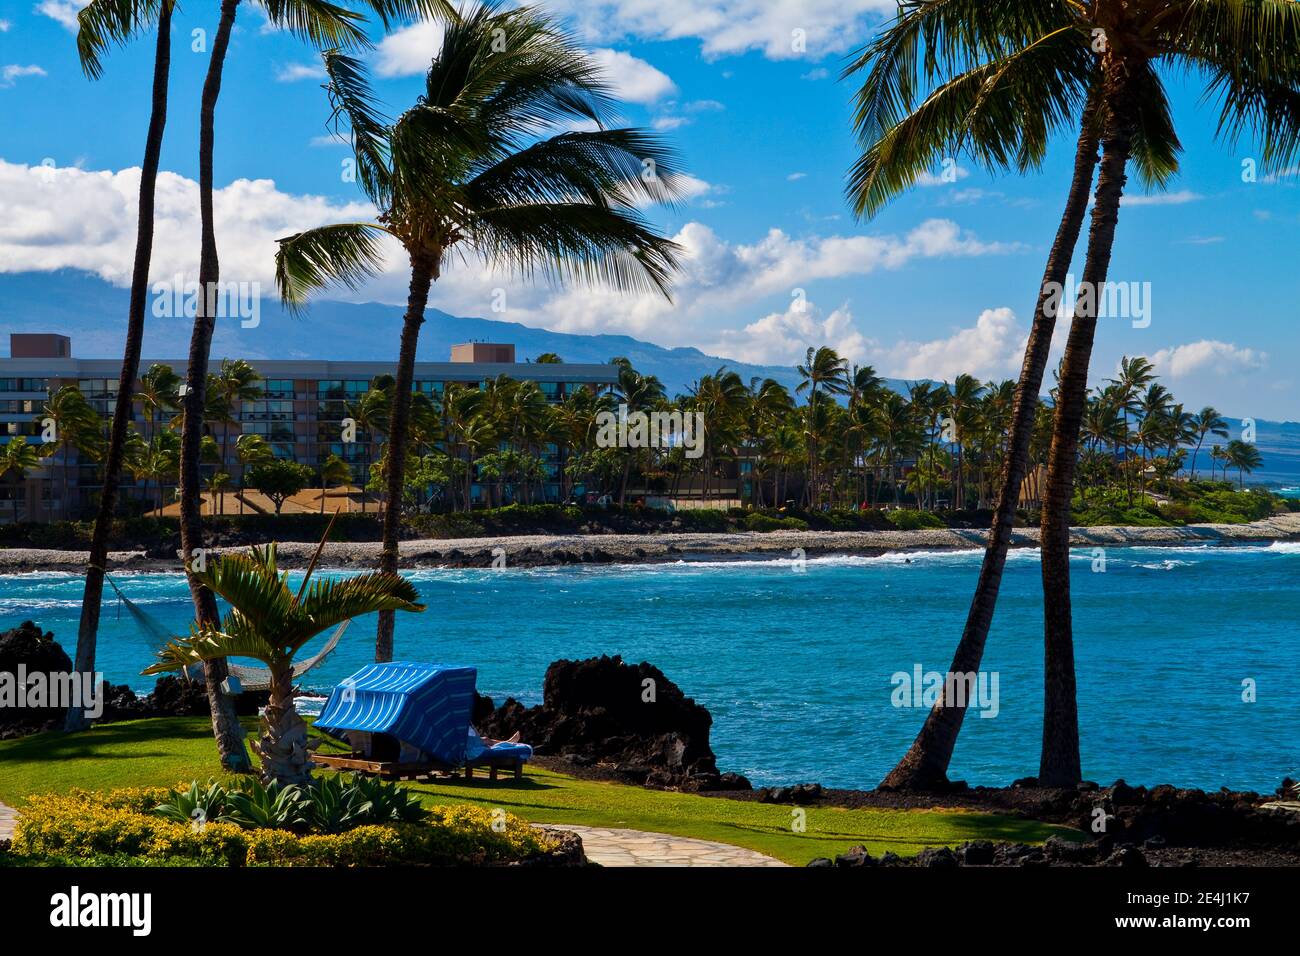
(250,678)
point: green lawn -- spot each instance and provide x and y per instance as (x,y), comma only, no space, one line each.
(165,752)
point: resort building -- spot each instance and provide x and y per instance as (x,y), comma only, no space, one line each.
(300,412)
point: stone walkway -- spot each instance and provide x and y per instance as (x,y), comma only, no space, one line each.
(612,847)
(8,820)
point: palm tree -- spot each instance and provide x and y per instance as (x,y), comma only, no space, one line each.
(159,393)
(101,23)
(1248,55)
(1002,83)
(637,393)
(823,368)
(271,623)
(1022,68)
(333,471)
(1204,423)
(1243,456)
(76,426)
(464,170)
(236,382)
(250,449)
(325,25)
(372,413)
(17,458)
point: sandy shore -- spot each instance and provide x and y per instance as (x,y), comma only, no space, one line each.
(558,549)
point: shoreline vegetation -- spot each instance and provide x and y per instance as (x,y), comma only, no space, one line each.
(540,550)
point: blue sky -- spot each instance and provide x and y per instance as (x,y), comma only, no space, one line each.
(942,281)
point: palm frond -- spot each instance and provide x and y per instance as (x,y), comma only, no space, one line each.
(209,645)
(250,584)
(351,96)
(624,166)
(395,11)
(345,254)
(576,241)
(103,23)
(321,23)
(328,603)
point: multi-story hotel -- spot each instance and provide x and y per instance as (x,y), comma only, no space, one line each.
(300,412)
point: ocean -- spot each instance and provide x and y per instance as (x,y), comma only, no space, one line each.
(1186,655)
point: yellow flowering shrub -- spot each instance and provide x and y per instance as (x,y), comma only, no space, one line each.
(85,825)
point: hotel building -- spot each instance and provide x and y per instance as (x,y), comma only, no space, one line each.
(300,412)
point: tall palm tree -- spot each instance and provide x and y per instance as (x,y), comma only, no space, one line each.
(1003,83)
(637,393)
(470,169)
(17,458)
(159,393)
(1022,68)
(76,426)
(250,449)
(1249,57)
(1207,422)
(271,623)
(325,25)
(100,24)
(372,413)
(333,471)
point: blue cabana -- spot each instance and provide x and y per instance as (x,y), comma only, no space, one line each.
(425,708)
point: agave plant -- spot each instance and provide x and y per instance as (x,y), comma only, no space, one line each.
(198,804)
(266,807)
(271,623)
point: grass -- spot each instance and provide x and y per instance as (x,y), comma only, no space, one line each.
(167,751)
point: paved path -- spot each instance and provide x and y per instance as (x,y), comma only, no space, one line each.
(612,847)
(8,820)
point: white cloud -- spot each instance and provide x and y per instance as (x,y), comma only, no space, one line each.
(946,177)
(13,71)
(665,123)
(329,139)
(4,26)
(782,30)
(795,177)
(69,218)
(782,338)
(410,50)
(1162,199)
(634,80)
(820,73)
(1207,356)
(64,11)
(56,218)
(992,348)
(293,72)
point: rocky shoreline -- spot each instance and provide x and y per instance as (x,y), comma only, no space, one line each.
(543,550)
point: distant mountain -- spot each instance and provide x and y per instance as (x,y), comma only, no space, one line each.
(93,313)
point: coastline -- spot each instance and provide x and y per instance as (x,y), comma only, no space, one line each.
(545,550)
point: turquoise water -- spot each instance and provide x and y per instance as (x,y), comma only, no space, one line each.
(796,667)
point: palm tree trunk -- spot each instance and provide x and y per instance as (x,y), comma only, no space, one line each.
(424,270)
(1059,763)
(92,596)
(282,746)
(925,765)
(225,722)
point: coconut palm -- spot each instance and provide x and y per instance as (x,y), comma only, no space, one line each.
(102,23)
(823,372)
(325,25)
(1249,59)
(1244,457)
(250,449)
(471,169)
(17,458)
(1021,69)
(76,427)
(235,382)
(1204,423)
(159,393)
(271,623)
(372,414)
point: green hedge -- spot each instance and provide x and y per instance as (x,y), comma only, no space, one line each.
(120,826)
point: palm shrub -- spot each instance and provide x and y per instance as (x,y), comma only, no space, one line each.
(271,623)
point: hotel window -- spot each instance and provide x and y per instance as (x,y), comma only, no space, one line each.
(24,385)
(553,391)
(278,388)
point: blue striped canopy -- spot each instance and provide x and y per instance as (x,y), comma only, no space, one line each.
(425,705)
